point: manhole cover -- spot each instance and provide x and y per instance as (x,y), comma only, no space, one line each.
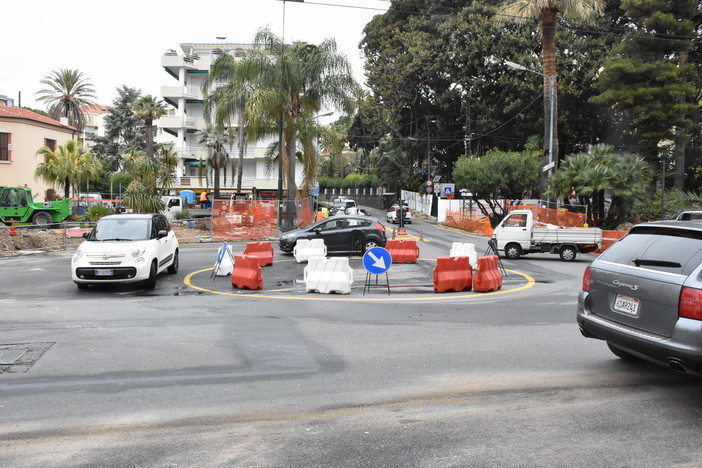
(9,356)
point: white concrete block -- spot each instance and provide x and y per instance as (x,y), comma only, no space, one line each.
(306,248)
(465,249)
(328,275)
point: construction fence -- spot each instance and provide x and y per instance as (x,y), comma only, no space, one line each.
(258,219)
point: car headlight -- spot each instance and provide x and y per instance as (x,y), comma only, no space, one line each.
(137,252)
(139,261)
(78,254)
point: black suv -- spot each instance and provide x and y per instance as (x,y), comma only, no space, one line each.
(340,234)
(643,295)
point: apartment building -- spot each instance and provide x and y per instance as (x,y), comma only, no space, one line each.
(188,70)
(94,123)
(22,133)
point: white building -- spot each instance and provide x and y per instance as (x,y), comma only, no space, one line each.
(188,70)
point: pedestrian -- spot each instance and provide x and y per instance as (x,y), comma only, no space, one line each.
(203,200)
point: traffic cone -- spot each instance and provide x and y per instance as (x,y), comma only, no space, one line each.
(402,232)
(421,235)
(393,233)
(13,231)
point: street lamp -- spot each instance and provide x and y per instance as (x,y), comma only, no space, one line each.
(551,117)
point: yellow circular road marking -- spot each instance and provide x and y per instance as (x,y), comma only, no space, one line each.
(435,296)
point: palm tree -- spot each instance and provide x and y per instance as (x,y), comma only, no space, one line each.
(67,93)
(215,140)
(141,194)
(294,81)
(167,163)
(69,165)
(547,12)
(149,109)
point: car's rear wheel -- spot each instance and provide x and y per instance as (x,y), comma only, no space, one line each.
(173,269)
(369,245)
(621,354)
(513,251)
(568,253)
(151,282)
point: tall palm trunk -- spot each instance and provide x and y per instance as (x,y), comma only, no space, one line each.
(240,165)
(548,32)
(148,124)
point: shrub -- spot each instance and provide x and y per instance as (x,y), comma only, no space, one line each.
(96,212)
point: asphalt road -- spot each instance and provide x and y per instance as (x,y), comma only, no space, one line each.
(196,373)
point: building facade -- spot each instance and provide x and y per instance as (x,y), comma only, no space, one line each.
(188,69)
(22,133)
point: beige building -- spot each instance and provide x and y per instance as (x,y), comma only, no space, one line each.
(22,133)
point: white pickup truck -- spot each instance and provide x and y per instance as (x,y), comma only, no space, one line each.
(519,235)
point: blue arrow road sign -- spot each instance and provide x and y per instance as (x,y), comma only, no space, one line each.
(377,260)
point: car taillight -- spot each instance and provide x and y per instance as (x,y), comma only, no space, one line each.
(690,305)
(379,227)
(586,279)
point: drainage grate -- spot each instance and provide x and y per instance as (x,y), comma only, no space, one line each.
(20,357)
(9,356)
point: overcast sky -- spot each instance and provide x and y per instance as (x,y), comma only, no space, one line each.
(122,44)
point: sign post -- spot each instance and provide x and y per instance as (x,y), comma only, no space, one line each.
(376,261)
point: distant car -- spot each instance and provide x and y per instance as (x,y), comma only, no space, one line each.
(393,214)
(340,234)
(339,207)
(643,295)
(126,248)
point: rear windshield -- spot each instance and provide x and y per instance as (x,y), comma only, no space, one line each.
(663,249)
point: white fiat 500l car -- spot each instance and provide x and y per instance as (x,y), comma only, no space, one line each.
(126,248)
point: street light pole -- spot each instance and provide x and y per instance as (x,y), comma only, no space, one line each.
(551,118)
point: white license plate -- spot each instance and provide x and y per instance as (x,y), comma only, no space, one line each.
(626,304)
(103,272)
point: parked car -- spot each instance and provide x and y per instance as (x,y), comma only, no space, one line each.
(643,295)
(393,214)
(126,248)
(340,234)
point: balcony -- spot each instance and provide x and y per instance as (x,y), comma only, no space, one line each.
(173,63)
(180,121)
(177,92)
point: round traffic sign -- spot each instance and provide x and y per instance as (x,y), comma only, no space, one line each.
(377,260)
(429,183)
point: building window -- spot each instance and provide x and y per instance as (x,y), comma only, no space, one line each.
(51,144)
(5,152)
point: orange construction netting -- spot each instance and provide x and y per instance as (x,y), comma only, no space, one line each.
(559,217)
(253,219)
(465,221)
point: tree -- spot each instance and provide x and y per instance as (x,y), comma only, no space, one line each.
(215,139)
(333,140)
(294,81)
(648,79)
(142,193)
(590,173)
(122,131)
(497,176)
(68,91)
(70,165)
(546,11)
(148,109)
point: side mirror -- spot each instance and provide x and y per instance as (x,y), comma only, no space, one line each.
(161,234)
(317,230)
(86,234)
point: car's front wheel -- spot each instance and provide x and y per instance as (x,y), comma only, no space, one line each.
(151,282)
(513,251)
(369,245)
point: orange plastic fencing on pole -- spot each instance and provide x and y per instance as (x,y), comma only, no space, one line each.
(247,273)
(403,250)
(609,238)
(453,274)
(470,223)
(261,250)
(488,277)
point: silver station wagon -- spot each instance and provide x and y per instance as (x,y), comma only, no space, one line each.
(643,296)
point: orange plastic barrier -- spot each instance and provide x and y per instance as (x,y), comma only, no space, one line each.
(247,273)
(488,277)
(261,250)
(403,250)
(560,217)
(453,274)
